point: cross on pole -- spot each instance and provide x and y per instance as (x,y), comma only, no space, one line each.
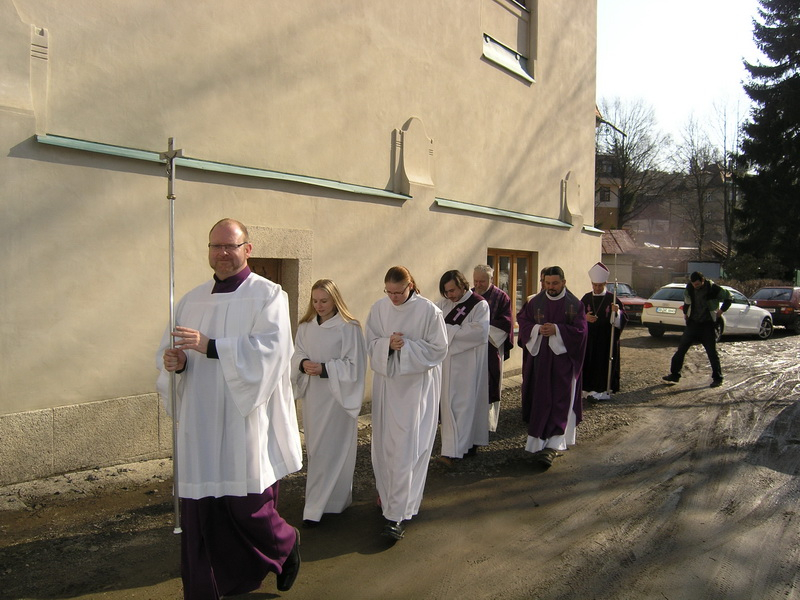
(169,156)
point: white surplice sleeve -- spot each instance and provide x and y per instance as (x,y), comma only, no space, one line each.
(299,379)
(253,365)
(346,373)
(497,336)
(535,342)
(377,342)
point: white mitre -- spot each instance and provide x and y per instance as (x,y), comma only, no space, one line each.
(599,273)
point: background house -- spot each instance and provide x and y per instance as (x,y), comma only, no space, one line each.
(349,136)
(606,195)
(677,228)
(619,255)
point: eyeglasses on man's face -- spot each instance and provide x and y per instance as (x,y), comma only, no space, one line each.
(225,247)
(396,294)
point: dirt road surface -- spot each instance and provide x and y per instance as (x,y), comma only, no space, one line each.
(676,492)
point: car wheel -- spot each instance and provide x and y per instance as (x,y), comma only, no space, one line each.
(765,331)
(656,331)
(719,327)
(795,328)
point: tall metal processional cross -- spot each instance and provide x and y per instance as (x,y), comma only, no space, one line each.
(169,157)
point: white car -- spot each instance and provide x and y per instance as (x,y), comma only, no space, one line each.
(663,312)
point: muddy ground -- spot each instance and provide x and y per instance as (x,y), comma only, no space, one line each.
(673,492)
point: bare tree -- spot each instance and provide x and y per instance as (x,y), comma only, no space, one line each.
(628,139)
(698,163)
(729,130)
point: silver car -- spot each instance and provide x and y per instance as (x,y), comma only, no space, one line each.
(663,312)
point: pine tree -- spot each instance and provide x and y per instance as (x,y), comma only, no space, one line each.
(770,210)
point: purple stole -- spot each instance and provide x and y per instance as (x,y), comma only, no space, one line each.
(460,311)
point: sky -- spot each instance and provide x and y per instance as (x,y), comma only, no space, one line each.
(682,57)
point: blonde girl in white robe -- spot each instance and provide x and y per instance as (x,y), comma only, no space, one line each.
(328,369)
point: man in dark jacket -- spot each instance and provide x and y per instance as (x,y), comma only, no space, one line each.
(701,309)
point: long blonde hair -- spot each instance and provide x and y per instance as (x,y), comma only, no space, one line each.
(330,287)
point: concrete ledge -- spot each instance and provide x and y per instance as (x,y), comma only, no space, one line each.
(164,430)
(43,443)
(46,442)
(103,433)
(26,446)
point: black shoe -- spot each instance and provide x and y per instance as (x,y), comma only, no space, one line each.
(310,524)
(291,566)
(472,451)
(672,378)
(544,458)
(716,383)
(447,461)
(394,530)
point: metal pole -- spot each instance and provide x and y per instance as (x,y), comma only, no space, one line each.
(170,156)
(611,348)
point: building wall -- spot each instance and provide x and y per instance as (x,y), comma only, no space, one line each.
(390,106)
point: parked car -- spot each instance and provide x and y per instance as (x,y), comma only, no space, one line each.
(663,312)
(632,303)
(783,302)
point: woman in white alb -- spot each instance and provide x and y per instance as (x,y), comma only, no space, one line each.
(406,343)
(328,369)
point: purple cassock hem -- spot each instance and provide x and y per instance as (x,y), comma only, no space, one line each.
(230,544)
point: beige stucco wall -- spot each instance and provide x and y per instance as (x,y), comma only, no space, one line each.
(301,87)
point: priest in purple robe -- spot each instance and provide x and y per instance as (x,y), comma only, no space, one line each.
(526,391)
(501,335)
(552,327)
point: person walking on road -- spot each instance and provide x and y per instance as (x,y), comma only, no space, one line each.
(237,426)
(501,334)
(605,318)
(328,369)
(406,343)
(465,388)
(701,309)
(552,326)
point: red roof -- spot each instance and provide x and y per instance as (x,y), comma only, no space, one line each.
(618,241)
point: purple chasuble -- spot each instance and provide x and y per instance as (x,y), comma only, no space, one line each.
(500,317)
(549,377)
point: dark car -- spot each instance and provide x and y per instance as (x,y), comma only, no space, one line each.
(630,301)
(783,302)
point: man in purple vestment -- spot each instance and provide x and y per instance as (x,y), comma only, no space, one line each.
(237,426)
(526,391)
(500,335)
(552,326)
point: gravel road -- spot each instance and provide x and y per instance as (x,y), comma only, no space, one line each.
(673,492)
